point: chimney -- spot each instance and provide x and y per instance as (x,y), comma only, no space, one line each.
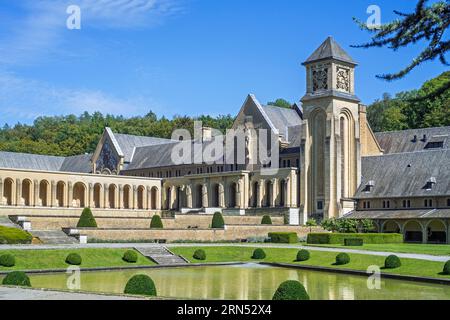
(424,138)
(414,139)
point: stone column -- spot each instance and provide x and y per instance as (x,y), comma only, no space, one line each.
(221,195)
(69,194)
(239,194)
(91,196)
(259,196)
(120,197)
(105,196)
(1,191)
(135,198)
(149,197)
(275,198)
(424,234)
(34,197)
(18,192)
(189,196)
(205,195)
(288,194)
(53,193)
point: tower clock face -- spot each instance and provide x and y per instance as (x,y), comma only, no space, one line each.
(343,79)
(320,78)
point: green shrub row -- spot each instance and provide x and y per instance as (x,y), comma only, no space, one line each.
(353,242)
(368,238)
(14,236)
(283,237)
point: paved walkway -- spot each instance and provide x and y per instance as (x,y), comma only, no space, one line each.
(150,245)
(7,293)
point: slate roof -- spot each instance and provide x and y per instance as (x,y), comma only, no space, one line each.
(330,49)
(282,119)
(405,174)
(128,142)
(400,214)
(13,160)
(403,141)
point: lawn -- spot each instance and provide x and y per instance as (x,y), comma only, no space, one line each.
(411,267)
(55,259)
(432,249)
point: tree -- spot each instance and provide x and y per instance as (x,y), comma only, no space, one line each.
(282,103)
(425,24)
(311,223)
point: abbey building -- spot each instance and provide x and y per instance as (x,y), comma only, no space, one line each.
(328,163)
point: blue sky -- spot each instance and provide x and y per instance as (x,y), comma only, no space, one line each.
(184,57)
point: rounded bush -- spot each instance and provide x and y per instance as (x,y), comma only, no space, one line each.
(7,260)
(392,262)
(342,258)
(303,255)
(199,254)
(87,219)
(17,278)
(446,268)
(130,256)
(140,284)
(259,254)
(73,259)
(266,220)
(217,221)
(156,222)
(291,290)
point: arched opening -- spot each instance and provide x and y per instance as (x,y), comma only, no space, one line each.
(255,192)
(391,226)
(199,196)
(97,195)
(140,197)
(215,196)
(60,187)
(112,196)
(413,232)
(126,196)
(282,193)
(8,187)
(436,232)
(233,189)
(79,195)
(269,193)
(346,124)
(26,192)
(154,197)
(43,193)
(180,198)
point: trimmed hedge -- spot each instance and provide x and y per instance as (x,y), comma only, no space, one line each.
(156,222)
(14,236)
(291,290)
(140,284)
(266,220)
(130,256)
(87,219)
(7,260)
(303,255)
(259,254)
(446,269)
(16,278)
(368,238)
(353,242)
(342,258)
(217,221)
(283,237)
(392,262)
(73,259)
(199,254)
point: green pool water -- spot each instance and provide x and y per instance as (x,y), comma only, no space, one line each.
(248,281)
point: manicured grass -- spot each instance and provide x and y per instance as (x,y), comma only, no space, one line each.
(432,249)
(412,267)
(55,259)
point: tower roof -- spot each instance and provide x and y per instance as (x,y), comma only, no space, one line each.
(330,49)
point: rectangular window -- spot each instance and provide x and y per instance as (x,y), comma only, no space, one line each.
(319,205)
(289,163)
(297,163)
(448,202)
(284,163)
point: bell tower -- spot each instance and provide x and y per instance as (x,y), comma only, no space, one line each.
(330,147)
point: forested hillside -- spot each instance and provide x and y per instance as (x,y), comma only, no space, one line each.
(72,135)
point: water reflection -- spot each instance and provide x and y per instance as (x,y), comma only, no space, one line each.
(248,282)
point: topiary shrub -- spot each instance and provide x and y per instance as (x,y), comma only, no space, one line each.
(291,290)
(199,254)
(368,238)
(16,278)
(14,236)
(130,256)
(392,262)
(156,223)
(303,255)
(73,259)
(446,269)
(266,220)
(259,254)
(87,219)
(342,258)
(7,260)
(140,284)
(217,221)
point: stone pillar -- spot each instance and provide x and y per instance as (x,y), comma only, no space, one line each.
(288,194)
(120,197)
(259,196)
(135,198)
(189,196)
(149,197)
(1,191)
(18,192)
(221,195)
(424,234)
(91,196)
(69,194)
(275,196)
(205,195)
(105,196)
(53,193)
(34,197)
(239,194)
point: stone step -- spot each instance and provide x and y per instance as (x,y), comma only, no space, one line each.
(161,255)
(53,237)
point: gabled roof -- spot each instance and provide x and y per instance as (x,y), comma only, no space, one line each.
(330,49)
(282,119)
(128,143)
(80,163)
(405,174)
(399,214)
(403,141)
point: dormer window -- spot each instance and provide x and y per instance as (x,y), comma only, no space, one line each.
(435,145)
(369,186)
(430,183)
